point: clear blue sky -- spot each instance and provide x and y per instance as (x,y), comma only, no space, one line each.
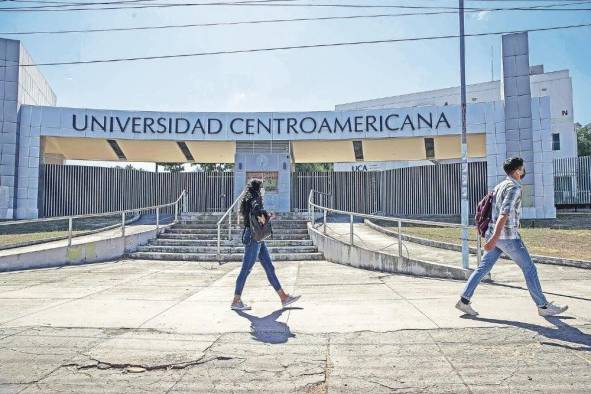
(313,79)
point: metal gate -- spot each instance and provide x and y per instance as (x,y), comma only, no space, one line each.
(572,181)
(76,190)
(414,191)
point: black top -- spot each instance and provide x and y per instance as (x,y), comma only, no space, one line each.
(254,204)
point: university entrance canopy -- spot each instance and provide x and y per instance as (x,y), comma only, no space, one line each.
(327,136)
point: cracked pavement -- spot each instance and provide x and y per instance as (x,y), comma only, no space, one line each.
(165,327)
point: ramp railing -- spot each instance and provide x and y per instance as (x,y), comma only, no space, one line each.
(34,231)
(312,207)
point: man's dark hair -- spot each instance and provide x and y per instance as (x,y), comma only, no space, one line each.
(512,164)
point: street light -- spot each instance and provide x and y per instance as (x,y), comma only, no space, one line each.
(464,202)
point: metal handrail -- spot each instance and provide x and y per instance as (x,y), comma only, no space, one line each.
(90,215)
(398,220)
(310,207)
(71,218)
(228,214)
(388,218)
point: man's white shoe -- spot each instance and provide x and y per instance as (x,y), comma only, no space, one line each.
(552,309)
(240,306)
(290,300)
(466,308)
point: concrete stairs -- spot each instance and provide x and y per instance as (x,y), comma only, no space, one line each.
(194,238)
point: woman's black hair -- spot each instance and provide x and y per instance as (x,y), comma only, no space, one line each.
(512,164)
(253,191)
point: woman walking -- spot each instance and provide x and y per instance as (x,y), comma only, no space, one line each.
(253,202)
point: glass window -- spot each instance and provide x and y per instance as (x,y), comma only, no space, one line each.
(430,148)
(358,150)
(555,141)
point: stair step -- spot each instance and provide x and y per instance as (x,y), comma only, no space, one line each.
(216,217)
(214,231)
(278,225)
(224,249)
(236,257)
(286,236)
(235,243)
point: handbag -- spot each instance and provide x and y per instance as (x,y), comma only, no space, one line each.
(258,231)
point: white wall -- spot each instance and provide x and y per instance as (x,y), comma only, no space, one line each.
(556,84)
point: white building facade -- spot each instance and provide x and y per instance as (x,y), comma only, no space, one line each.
(557,85)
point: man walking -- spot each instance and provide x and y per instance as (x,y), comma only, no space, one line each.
(502,236)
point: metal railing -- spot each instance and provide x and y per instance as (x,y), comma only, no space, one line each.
(572,181)
(312,207)
(430,190)
(122,214)
(80,190)
(228,214)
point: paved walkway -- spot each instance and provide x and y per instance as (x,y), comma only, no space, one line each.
(144,326)
(369,238)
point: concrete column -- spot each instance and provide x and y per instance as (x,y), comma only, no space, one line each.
(20,153)
(9,70)
(543,158)
(496,148)
(519,135)
(28,168)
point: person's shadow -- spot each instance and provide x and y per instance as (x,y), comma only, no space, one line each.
(267,329)
(562,331)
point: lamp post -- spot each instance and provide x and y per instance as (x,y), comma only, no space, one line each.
(464,203)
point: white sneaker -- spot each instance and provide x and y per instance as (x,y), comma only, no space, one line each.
(466,308)
(552,309)
(290,300)
(240,306)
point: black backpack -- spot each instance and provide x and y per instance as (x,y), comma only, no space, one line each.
(259,232)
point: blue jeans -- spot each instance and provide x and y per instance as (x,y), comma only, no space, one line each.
(516,250)
(253,248)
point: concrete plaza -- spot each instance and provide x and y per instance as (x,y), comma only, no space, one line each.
(146,326)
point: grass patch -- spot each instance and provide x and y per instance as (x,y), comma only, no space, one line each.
(17,239)
(17,234)
(565,243)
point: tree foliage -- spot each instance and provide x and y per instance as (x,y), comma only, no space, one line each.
(583,139)
(131,167)
(214,167)
(171,167)
(314,167)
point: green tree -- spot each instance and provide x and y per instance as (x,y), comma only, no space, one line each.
(313,167)
(131,167)
(171,167)
(583,139)
(213,167)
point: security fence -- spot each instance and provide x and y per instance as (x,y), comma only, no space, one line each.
(572,181)
(354,191)
(415,191)
(79,190)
